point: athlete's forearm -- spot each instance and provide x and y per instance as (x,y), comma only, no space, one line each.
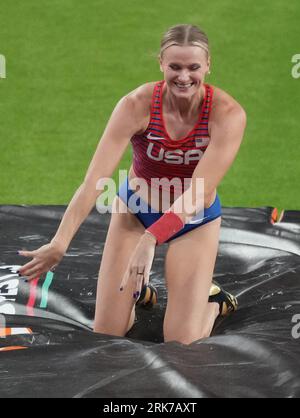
(190,203)
(77,211)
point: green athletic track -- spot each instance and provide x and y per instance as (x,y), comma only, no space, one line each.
(68,62)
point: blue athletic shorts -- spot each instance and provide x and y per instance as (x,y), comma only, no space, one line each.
(147,216)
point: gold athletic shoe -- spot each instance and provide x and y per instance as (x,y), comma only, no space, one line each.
(148,296)
(228,303)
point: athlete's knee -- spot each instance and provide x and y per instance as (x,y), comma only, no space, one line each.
(185,339)
(109,331)
(114,326)
(184,334)
(131,320)
(110,326)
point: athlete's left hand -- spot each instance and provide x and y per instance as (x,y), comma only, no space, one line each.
(140,263)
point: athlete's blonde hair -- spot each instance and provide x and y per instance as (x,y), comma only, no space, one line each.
(184,35)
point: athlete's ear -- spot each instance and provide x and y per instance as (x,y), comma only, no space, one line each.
(160,63)
(208,65)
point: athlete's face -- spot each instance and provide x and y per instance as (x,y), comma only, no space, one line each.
(184,69)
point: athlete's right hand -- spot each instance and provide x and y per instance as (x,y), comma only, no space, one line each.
(44,259)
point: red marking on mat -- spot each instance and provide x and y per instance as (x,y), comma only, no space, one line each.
(5,332)
(12,348)
(274,216)
(32,296)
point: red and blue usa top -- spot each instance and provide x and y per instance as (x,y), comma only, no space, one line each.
(156,156)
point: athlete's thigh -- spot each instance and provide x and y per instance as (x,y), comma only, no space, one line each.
(189,267)
(123,235)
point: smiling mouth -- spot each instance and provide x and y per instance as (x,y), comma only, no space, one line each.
(184,86)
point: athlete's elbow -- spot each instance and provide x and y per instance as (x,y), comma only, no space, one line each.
(240,118)
(243,116)
(209,199)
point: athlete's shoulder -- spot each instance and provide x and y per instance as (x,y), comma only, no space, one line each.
(140,100)
(142,95)
(138,104)
(224,105)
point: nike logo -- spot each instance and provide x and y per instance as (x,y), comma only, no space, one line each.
(198,221)
(202,142)
(154,138)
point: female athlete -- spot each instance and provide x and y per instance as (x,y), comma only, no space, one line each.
(180,129)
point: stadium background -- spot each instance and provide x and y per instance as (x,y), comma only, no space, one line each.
(69,62)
